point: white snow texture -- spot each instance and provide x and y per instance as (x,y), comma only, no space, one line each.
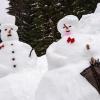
(27,78)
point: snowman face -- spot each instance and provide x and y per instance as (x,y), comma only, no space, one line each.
(8,33)
(67,28)
(67,25)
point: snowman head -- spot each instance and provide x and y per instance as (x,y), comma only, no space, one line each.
(9,32)
(67,25)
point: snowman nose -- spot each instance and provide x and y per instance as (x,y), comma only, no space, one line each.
(88,47)
(9,31)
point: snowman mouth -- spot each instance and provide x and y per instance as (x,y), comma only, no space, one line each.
(9,35)
(68,31)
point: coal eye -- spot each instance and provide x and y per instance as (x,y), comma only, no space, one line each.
(5,29)
(70,26)
(11,28)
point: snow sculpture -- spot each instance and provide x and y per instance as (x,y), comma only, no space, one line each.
(13,53)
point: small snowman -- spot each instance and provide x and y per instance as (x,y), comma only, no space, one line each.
(67,26)
(15,55)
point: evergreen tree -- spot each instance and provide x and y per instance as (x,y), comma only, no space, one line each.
(37,19)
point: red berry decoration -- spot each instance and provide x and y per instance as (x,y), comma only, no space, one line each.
(72,40)
(1,46)
(69,39)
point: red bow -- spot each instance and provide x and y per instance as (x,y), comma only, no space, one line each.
(1,46)
(71,40)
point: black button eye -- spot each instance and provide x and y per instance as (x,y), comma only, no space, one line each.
(11,28)
(70,26)
(5,29)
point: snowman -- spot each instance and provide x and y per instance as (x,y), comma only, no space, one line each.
(63,49)
(70,59)
(14,55)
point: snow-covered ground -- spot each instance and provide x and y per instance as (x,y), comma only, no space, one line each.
(66,59)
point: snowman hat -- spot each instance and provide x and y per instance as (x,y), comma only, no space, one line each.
(3,26)
(69,19)
(5,19)
(8,21)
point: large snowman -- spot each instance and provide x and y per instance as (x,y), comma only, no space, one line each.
(69,57)
(64,50)
(14,55)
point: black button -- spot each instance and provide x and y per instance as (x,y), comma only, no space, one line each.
(13,59)
(13,51)
(14,66)
(12,44)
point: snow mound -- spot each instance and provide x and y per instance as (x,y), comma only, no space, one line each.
(20,86)
(42,64)
(66,84)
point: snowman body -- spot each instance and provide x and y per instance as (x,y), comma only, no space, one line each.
(64,53)
(15,54)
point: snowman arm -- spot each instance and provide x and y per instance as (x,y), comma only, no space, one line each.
(30,50)
(33,55)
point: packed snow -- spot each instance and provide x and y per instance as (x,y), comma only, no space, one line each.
(24,77)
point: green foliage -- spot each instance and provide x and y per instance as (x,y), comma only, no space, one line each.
(37,19)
